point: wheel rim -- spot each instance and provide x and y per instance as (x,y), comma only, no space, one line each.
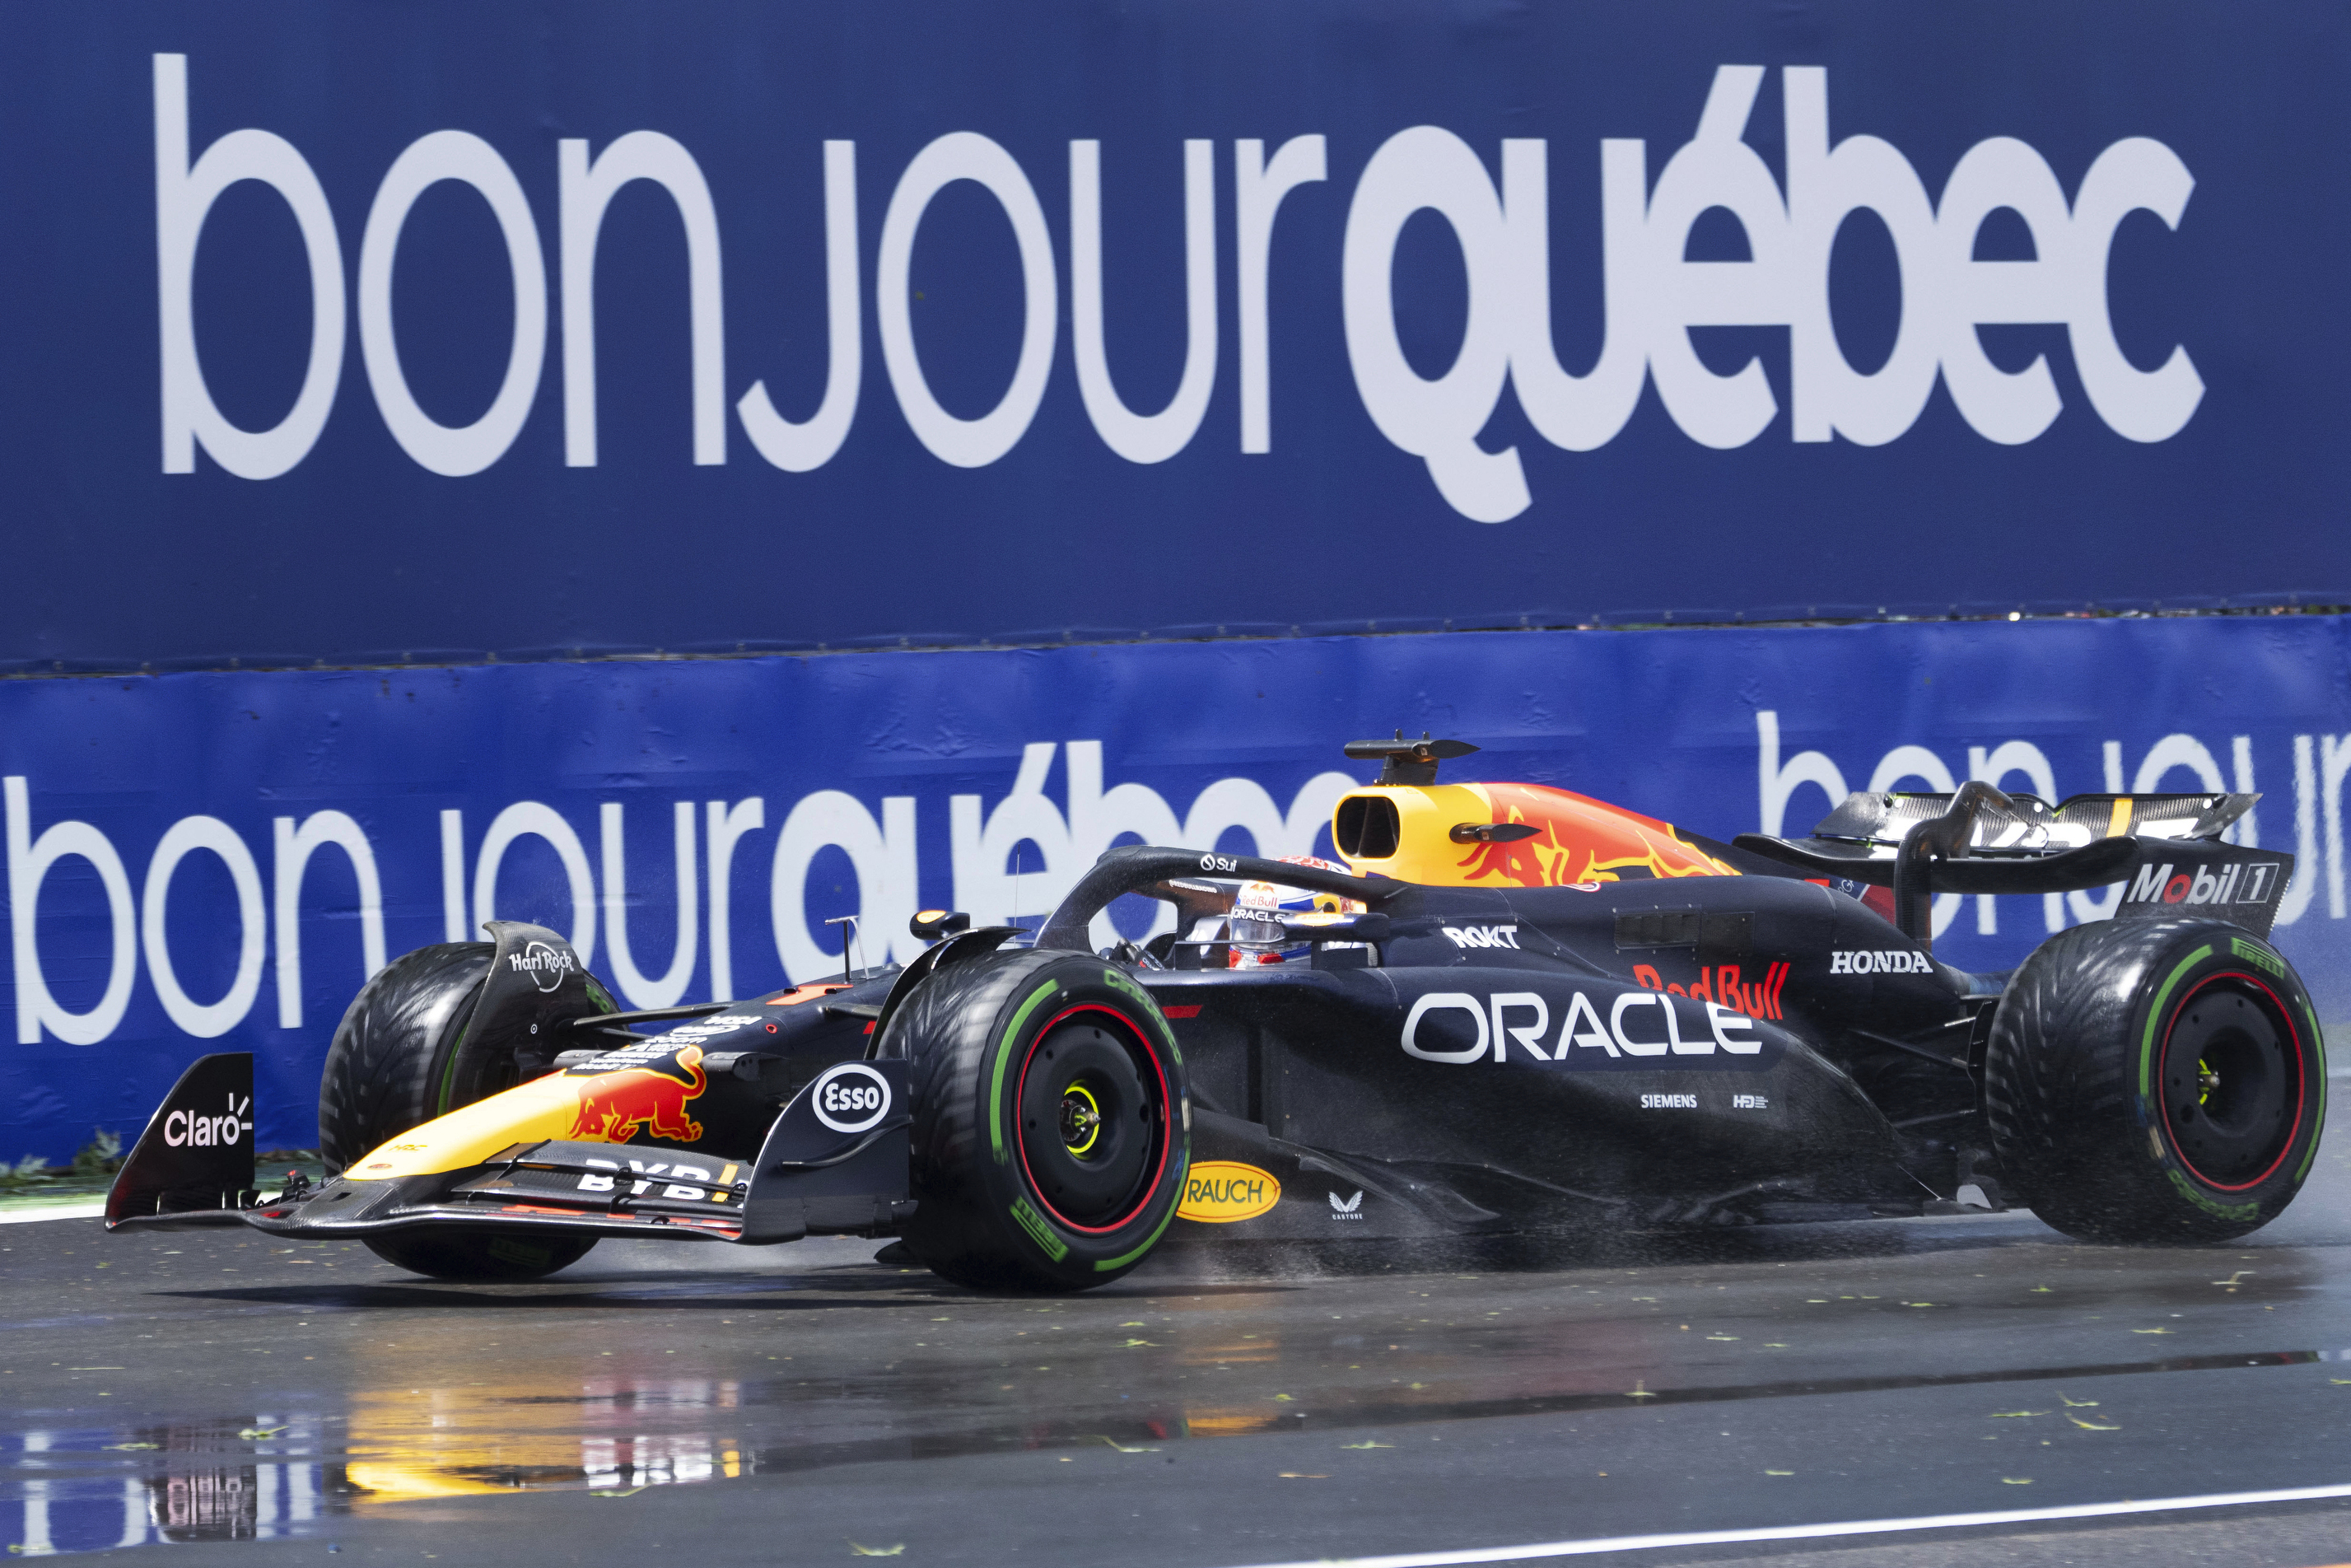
(2231,1082)
(1091,1106)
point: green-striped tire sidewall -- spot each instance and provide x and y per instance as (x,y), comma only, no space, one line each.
(979,1220)
(2071,1089)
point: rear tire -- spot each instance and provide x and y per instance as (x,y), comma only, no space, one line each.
(483,1255)
(2156,1080)
(1051,1121)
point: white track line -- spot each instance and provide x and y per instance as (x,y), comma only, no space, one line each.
(90,1210)
(1811,1532)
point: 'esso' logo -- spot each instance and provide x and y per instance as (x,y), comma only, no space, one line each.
(850,1097)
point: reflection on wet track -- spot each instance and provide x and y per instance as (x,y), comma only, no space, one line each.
(77,1491)
(613,1433)
(247,1480)
(241,1479)
(218,1386)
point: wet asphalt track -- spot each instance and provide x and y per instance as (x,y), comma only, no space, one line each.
(704,1406)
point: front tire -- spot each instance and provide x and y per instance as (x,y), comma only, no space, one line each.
(2154,1081)
(401,1056)
(479,1255)
(1051,1135)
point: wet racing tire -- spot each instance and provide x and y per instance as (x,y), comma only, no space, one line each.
(396,1058)
(1051,1122)
(482,1254)
(2156,1080)
(401,1058)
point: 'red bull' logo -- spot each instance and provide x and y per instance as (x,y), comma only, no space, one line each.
(613,1105)
(1728,986)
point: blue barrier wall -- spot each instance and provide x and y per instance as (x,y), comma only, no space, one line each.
(438,327)
(202,862)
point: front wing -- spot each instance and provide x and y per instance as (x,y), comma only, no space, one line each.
(814,1173)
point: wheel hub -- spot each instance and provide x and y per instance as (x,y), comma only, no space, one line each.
(2230,1083)
(1081,1119)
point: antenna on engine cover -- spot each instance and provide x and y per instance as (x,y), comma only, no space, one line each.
(1407,761)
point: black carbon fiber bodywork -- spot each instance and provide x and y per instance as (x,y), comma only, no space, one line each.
(1628,1051)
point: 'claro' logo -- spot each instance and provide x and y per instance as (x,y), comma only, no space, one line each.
(187,1129)
(1218,1192)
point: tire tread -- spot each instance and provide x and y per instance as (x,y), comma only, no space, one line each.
(2057,1091)
(378,1076)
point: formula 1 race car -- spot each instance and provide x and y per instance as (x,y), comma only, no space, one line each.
(1513,1007)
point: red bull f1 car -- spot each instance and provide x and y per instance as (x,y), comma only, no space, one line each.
(1511,1008)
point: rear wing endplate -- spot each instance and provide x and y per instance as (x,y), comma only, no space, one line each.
(2166,848)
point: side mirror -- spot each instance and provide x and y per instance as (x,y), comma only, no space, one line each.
(931,925)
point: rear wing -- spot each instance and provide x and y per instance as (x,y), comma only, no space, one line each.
(2026,824)
(2167,848)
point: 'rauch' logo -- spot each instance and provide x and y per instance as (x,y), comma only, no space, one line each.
(1218,1192)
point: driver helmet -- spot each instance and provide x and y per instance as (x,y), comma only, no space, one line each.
(1254,924)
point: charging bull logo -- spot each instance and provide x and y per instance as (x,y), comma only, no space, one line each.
(613,1105)
(1576,840)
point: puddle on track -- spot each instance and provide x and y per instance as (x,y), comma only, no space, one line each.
(271,1476)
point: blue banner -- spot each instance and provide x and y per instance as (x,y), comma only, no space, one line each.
(207,861)
(436,329)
